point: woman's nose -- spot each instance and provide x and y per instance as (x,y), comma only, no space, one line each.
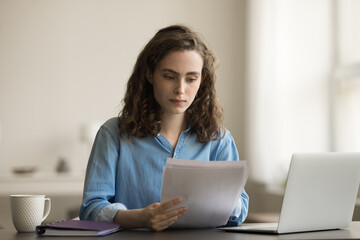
(180,87)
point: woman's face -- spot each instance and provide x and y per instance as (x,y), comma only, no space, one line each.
(176,81)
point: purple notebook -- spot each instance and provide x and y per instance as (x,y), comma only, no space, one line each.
(77,228)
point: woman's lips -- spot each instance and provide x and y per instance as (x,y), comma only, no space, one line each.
(177,101)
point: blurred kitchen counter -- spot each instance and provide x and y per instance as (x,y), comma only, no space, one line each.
(42,183)
(64,189)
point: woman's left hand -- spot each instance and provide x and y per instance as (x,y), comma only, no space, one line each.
(158,217)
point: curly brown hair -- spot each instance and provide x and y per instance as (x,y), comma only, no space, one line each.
(140,116)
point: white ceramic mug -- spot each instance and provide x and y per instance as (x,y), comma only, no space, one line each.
(28,211)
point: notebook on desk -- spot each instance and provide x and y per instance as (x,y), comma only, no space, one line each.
(77,228)
(320,194)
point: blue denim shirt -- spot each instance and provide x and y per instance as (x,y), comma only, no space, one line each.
(123,174)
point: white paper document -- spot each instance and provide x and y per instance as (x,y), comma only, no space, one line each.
(210,190)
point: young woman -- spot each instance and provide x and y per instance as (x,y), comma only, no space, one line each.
(170,110)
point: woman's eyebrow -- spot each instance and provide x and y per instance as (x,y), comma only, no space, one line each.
(193,73)
(177,74)
(170,71)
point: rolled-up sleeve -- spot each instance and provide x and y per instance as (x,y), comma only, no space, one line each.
(99,187)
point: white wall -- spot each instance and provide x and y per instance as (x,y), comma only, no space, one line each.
(289,60)
(65,63)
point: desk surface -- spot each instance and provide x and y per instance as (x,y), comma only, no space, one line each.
(209,234)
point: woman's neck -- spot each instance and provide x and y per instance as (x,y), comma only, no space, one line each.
(172,126)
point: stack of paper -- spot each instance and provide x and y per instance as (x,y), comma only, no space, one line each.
(210,190)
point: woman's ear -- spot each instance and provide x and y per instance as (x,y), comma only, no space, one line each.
(149,76)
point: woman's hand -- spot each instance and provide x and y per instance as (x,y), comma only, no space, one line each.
(158,217)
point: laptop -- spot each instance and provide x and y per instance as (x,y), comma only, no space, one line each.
(320,194)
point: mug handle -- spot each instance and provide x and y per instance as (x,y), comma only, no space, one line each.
(47,208)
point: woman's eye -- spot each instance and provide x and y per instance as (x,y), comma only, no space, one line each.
(169,77)
(191,79)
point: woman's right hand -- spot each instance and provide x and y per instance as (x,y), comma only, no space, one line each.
(158,217)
